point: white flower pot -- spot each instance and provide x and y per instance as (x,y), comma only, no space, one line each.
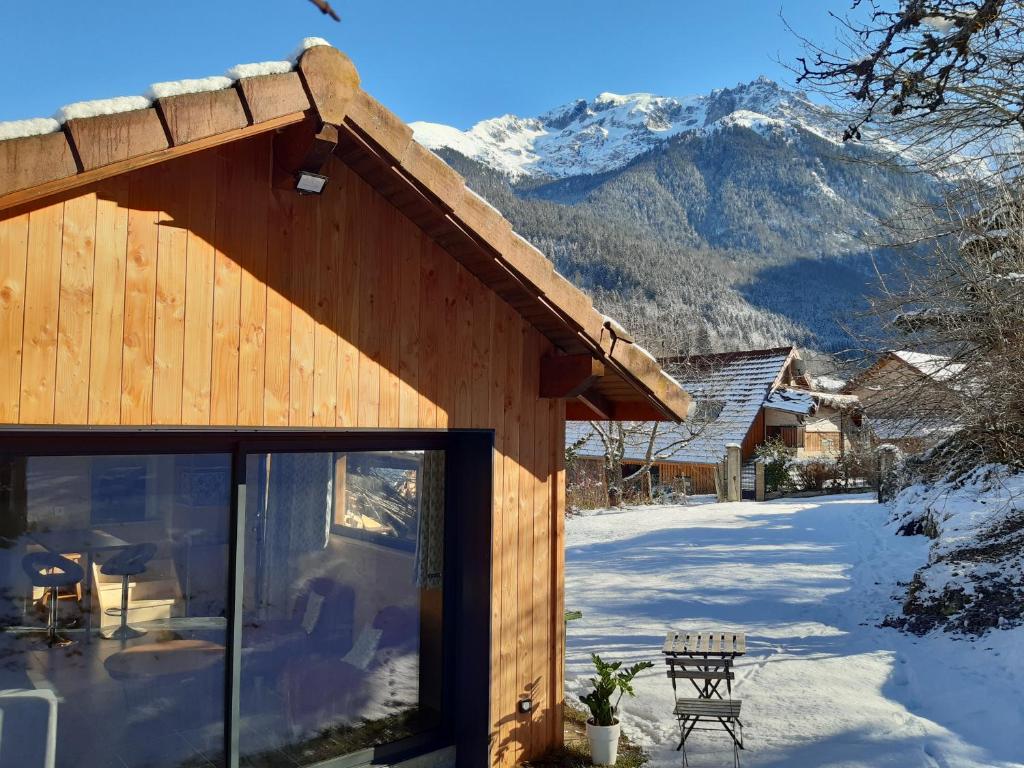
(604,743)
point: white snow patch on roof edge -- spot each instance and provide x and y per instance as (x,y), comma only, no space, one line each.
(97,107)
(305,45)
(258,68)
(192,85)
(34,126)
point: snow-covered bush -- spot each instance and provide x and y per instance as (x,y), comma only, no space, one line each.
(813,473)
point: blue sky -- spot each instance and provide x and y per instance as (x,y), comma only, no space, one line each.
(444,61)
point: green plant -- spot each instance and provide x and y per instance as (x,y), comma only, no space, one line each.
(610,678)
(775,455)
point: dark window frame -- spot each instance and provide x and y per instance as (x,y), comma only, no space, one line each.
(467,551)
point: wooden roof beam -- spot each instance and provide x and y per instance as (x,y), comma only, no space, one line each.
(568,376)
(593,402)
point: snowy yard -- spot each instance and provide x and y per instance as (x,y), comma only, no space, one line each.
(808,580)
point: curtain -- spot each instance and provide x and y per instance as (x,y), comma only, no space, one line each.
(430,532)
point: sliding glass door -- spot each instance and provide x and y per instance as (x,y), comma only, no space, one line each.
(342,629)
(215,599)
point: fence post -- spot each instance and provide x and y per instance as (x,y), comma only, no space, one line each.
(887,455)
(732,459)
(759,489)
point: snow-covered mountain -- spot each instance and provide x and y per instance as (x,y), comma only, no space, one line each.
(731,220)
(606,132)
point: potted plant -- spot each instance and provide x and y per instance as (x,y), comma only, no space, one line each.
(603,725)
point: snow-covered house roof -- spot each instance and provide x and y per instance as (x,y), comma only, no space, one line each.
(936,367)
(739,382)
(797,401)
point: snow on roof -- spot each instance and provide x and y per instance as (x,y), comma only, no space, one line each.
(791,400)
(911,428)
(97,107)
(193,85)
(936,367)
(739,381)
(259,68)
(34,126)
(37,126)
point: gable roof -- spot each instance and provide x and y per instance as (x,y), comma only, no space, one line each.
(739,381)
(937,368)
(320,93)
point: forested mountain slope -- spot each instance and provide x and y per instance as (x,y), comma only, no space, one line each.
(727,221)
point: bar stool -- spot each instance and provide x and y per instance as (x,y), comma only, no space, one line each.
(128,562)
(52,571)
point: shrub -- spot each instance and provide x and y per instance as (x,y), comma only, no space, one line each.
(814,473)
(775,455)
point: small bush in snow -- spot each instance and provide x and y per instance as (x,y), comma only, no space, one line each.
(813,474)
(775,455)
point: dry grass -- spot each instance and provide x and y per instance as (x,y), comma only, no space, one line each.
(576,752)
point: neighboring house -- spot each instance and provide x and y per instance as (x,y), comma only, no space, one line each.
(909,398)
(744,398)
(281,474)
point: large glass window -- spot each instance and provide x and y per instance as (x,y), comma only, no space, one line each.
(266,600)
(113,609)
(342,630)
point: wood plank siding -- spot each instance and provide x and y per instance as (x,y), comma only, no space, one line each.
(194,292)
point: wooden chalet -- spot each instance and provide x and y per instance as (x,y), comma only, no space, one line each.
(910,398)
(281,474)
(742,398)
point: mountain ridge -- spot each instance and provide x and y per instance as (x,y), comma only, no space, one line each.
(587,136)
(731,220)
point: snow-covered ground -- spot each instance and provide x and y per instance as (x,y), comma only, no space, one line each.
(808,580)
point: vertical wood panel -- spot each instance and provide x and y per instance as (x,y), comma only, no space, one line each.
(526,678)
(171,271)
(325,342)
(409,324)
(499,552)
(227,288)
(350,304)
(430,330)
(368,397)
(541,606)
(277,372)
(447,307)
(480,377)
(461,335)
(252,352)
(74,329)
(112,199)
(510,530)
(303,293)
(13,254)
(42,305)
(558,570)
(200,271)
(390,230)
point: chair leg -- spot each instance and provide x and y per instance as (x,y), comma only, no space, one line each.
(52,638)
(123,631)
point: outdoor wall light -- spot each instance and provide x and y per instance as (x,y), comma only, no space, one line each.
(310,183)
(525,705)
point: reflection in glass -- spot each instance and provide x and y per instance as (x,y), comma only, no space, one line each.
(341,639)
(113,606)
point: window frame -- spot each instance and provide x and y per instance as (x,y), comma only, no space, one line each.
(467,590)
